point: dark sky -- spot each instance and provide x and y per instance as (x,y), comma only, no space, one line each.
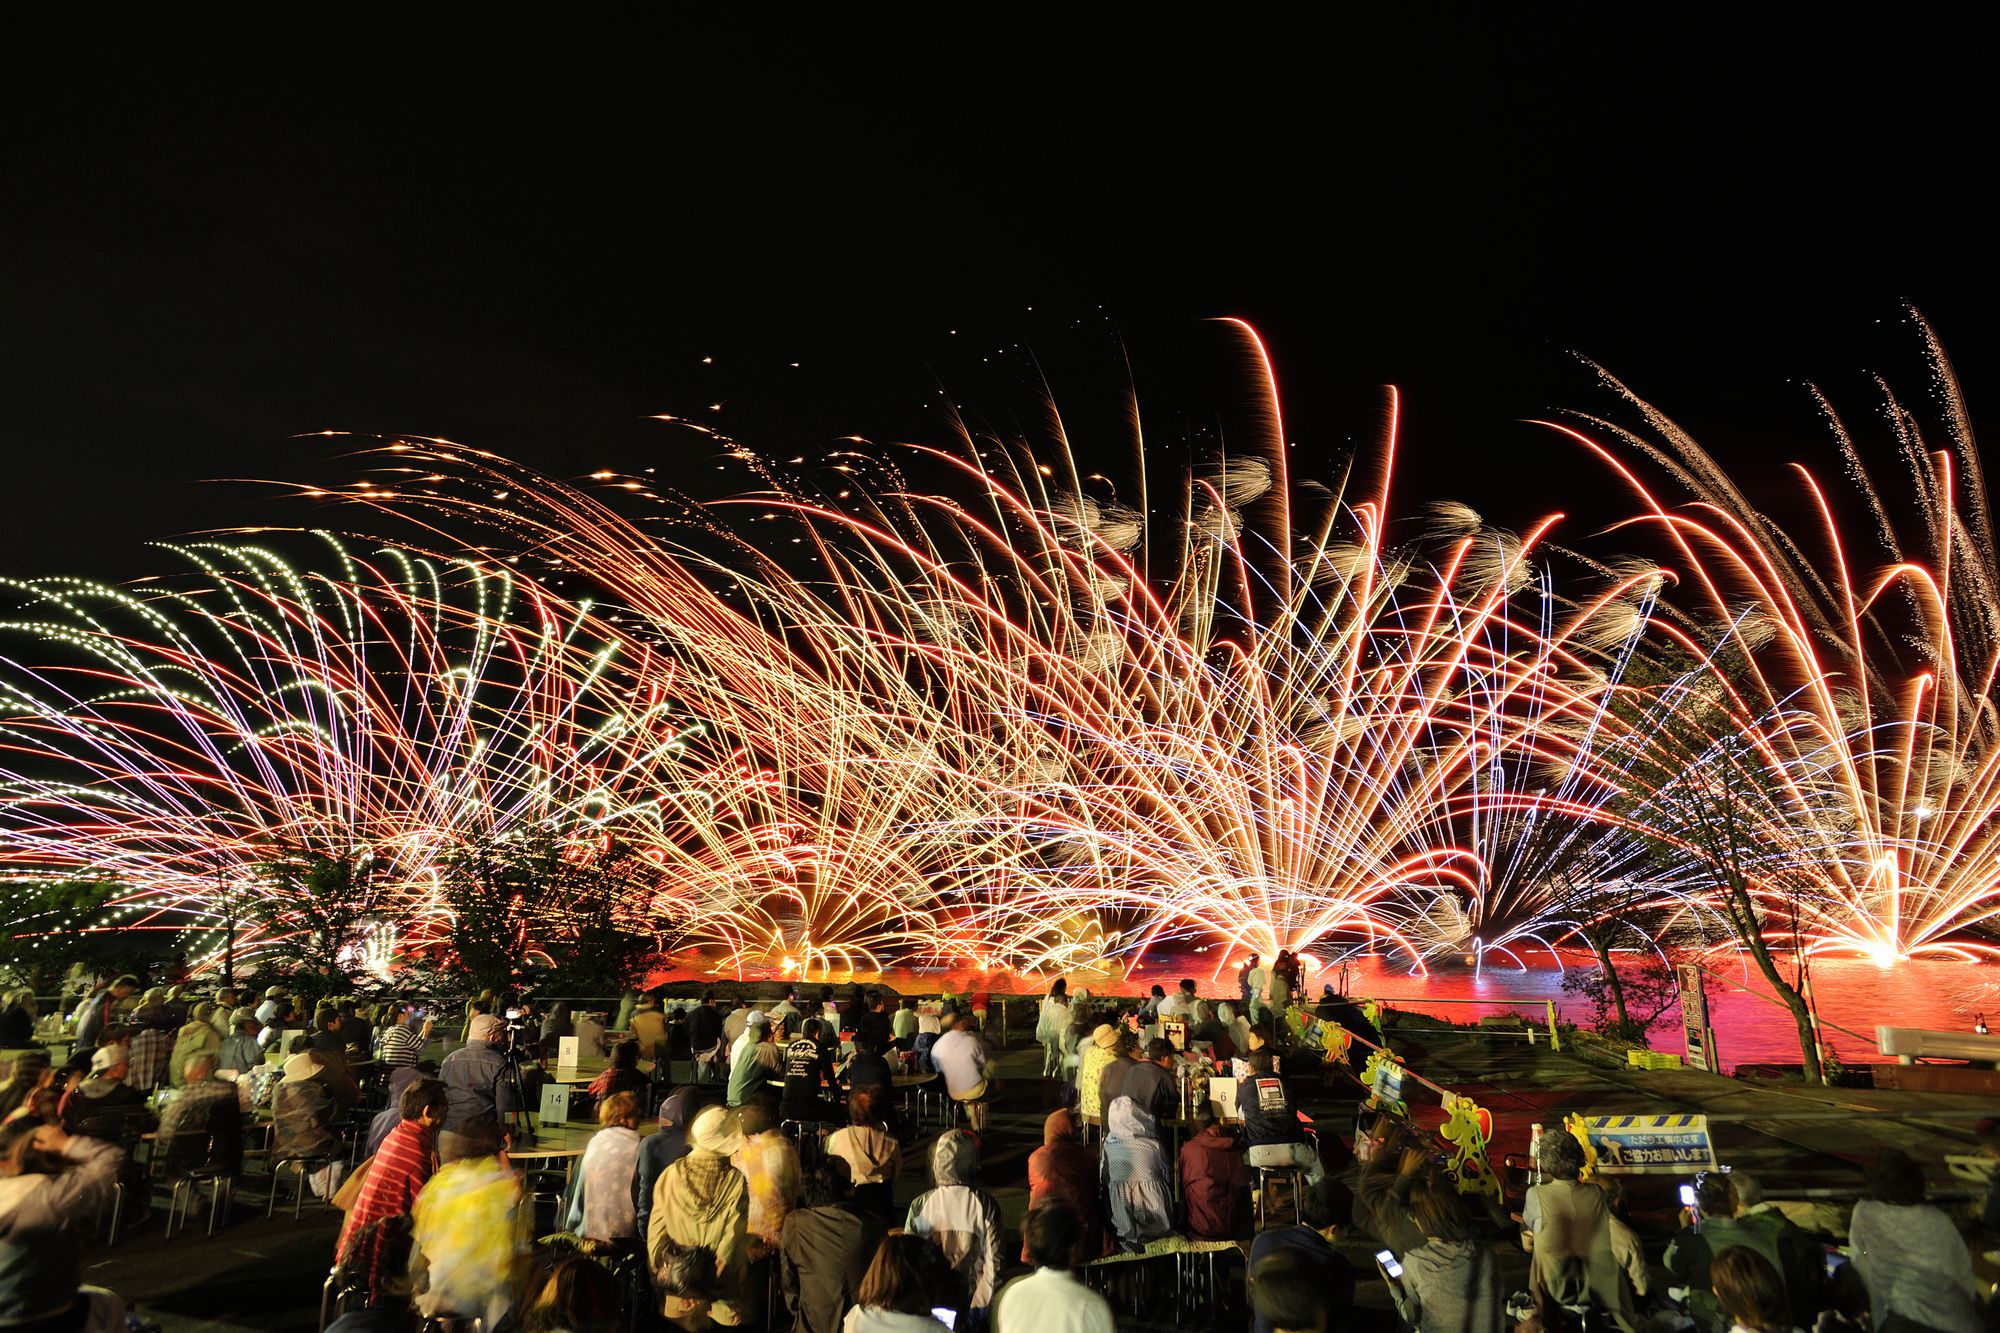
(527,239)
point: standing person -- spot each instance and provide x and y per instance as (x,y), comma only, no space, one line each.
(1450,1283)
(698,1238)
(874,1157)
(52,1187)
(1909,1254)
(604,1209)
(704,1039)
(627,1004)
(649,1026)
(471,1222)
(1050,1025)
(481,1086)
(902,1286)
(786,1012)
(809,1078)
(1256,982)
(1215,1182)
(1063,1171)
(397,1172)
(17,1024)
(736,1022)
(960,1055)
(824,1249)
(903,1024)
(960,1218)
(152,1046)
(1051,1300)
(1284,971)
(1568,1225)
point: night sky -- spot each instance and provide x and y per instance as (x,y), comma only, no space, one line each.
(528,239)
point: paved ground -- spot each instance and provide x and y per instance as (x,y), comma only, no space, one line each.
(266,1276)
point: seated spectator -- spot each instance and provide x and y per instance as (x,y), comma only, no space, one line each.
(373,1252)
(1713,1228)
(1273,1133)
(576,1295)
(104,1104)
(307,1111)
(667,1145)
(31,1073)
(1801,1259)
(873,1155)
(471,1223)
(1137,1180)
(868,1068)
(1063,1170)
(1215,1182)
(770,1167)
(17,1023)
(1051,1300)
(1308,1243)
(590,1038)
(402,1042)
(1395,1158)
(196,1037)
(1630,1254)
(201,1122)
(701,1208)
(357,1034)
(1111,1082)
(1152,1084)
(756,1061)
(960,1055)
(960,1218)
(825,1246)
(876,1024)
(903,1024)
(1451,1283)
(1750,1291)
(808,1073)
(1909,1254)
(241,1051)
(705,1045)
(603,1209)
(622,1074)
(52,1186)
(903,1284)
(152,1046)
(1568,1232)
(1288,1295)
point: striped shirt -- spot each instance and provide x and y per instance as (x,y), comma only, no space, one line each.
(402,1046)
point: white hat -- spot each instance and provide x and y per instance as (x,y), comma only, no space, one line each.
(758,1019)
(105,1057)
(716,1130)
(277,993)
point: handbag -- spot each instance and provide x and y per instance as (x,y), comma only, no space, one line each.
(349,1192)
(686,1271)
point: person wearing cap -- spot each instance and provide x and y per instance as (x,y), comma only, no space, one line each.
(102,1103)
(757,1059)
(479,1083)
(273,1008)
(241,1051)
(1097,1058)
(96,1012)
(703,1201)
(306,1109)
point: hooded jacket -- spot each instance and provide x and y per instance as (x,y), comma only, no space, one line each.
(662,1149)
(960,1218)
(1215,1184)
(1062,1168)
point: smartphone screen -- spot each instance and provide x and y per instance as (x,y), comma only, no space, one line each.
(947,1317)
(1687,1196)
(1387,1259)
